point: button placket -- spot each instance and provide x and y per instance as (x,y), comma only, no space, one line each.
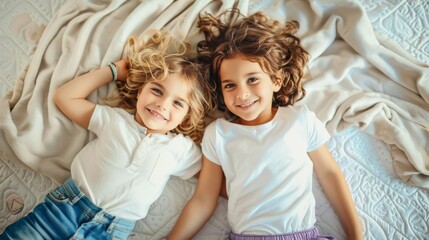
(140,154)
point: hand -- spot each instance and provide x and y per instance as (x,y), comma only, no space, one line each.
(122,69)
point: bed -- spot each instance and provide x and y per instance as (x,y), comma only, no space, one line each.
(378,149)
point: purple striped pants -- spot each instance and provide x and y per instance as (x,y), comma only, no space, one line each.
(310,234)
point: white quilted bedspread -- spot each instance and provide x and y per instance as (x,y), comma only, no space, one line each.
(388,208)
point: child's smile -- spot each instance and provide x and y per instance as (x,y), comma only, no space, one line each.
(157,115)
(247,105)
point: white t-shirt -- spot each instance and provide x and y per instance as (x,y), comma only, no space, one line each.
(123,170)
(268,171)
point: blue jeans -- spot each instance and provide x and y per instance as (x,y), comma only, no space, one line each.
(67,213)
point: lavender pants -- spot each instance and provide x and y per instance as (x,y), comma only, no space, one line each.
(310,234)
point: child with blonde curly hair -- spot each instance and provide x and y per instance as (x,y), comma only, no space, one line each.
(116,177)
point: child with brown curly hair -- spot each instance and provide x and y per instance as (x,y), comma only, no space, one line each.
(266,147)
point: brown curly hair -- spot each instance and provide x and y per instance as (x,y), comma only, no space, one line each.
(258,39)
(153,60)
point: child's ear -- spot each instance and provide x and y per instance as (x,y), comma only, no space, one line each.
(278,81)
(277,85)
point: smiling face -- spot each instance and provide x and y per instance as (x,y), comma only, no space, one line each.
(247,90)
(162,105)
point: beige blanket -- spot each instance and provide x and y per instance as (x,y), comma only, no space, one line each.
(353,79)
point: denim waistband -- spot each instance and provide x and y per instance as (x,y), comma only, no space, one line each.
(76,196)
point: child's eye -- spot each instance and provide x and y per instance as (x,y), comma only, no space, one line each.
(156,91)
(179,104)
(229,86)
(252,79)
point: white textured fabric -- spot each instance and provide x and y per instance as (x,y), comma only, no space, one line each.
(124,170)
(268,171)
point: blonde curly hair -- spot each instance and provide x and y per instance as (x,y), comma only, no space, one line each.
(153,60)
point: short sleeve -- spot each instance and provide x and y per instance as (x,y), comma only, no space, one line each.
(317,133)
(190,160)
(99,118)
(110,120)
(208,144)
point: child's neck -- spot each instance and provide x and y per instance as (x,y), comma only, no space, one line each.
(256,122)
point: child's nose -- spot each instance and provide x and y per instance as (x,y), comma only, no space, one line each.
(161,104)
(243,93)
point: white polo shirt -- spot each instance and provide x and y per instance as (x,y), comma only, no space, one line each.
(123,170)
(268,171)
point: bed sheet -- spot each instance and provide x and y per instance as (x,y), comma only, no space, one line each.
(388,208)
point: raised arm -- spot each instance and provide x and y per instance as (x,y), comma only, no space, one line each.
(71,97)
(334,185)
(202,204)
